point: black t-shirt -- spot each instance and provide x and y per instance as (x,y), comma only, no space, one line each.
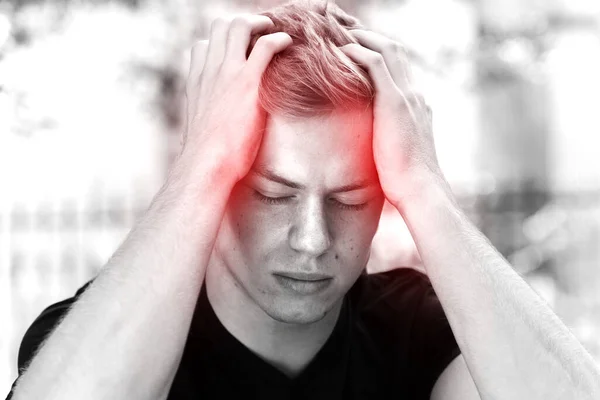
(392,338)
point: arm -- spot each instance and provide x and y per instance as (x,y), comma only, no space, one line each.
(512,342)
(145,296)
(124,338)
(514,346)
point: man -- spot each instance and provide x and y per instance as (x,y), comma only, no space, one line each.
(245,276)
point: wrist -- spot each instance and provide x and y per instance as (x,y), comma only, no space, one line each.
(202,169)
(422,190)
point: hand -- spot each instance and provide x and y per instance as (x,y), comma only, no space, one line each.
(403,146)
(224,119)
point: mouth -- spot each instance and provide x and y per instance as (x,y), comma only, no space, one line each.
(304,276)
(302,283)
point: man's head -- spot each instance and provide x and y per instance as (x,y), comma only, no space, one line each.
(312,201)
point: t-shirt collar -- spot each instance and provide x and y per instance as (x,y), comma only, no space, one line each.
(325,374)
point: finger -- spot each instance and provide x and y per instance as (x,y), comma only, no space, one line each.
(216,46)
(375,65)
(381,77)
(265,48)
(393,52)
(240,32)
(396,59)
(197,61)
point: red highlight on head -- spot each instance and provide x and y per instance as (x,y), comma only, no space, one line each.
(312,76)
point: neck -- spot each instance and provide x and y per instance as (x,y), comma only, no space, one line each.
(288,347)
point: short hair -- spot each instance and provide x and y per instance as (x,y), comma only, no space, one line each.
(312,76)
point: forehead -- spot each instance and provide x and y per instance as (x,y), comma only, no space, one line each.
(323,150)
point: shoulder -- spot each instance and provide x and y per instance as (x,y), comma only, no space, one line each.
(388,305)
(40,328)
(400,312)
(397,290)
(401,301)
(43,325)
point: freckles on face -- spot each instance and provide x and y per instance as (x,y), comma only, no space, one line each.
(310,204)
(312,193)
(282,236)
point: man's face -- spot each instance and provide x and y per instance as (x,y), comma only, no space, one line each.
(310,205)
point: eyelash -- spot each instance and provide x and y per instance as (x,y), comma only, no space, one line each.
(281,200)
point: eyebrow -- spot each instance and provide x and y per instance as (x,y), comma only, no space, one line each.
(272,176)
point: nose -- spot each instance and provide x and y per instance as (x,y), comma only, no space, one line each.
(310,232)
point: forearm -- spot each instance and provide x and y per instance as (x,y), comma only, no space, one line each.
(123,339)
(513,344)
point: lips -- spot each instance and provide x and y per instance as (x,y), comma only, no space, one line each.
(304,276)
(308,285)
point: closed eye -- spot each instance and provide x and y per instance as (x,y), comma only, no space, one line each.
(270,200)
(344,206)
(284,199)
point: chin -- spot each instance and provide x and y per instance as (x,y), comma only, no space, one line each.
(298,313)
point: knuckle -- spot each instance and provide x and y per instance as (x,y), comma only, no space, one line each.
(418,101)
(266,42)
(392,51)
(418,98)
(391,47)
(240,23)
(398,100)
(218,24)
(352,46)
(377,60)
(199,44)
(397,47)
(198,48)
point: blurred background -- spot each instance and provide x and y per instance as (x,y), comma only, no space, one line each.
(91,101)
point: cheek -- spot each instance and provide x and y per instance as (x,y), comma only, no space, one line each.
(255,227)
(356,233)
